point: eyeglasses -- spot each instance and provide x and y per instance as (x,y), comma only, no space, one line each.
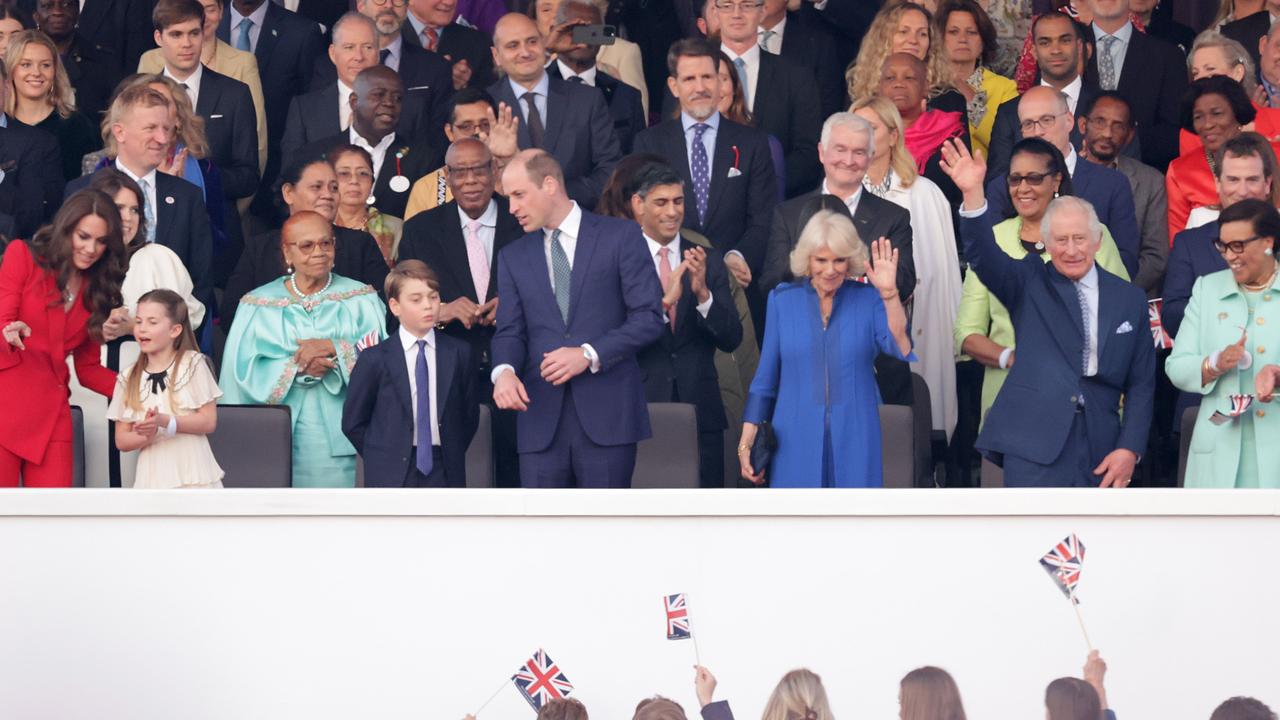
(473,128)
(1098,124)
(395,3)
(1235,246)
(350,176)
(309,247)
(732,7)
(1032,179)
(1044,121)
(476,170)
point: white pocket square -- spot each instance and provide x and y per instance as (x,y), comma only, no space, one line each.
(1125,327)
(214,117)
(734,172)
(418,87)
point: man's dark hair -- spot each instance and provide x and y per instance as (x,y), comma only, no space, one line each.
(692,47)
(172,12)
(653,175)
(470,96)
(1242,708)
(1113,96)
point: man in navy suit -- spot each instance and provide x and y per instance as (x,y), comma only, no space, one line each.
(433,26)
(1083,345)
(680,366)
(1044,113)
(580,300)
(569,121)
(411,407)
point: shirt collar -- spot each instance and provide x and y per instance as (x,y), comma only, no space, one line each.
(1090,279)
(488,218)
(751,56)
(395,46)
(544,84)
(257,16)
(359,141)
(851,202)
(418,25)
(655,246)
(1071,89)
(149,177)
(344,92)
(571,224)
(780,28)
(688,121)
(1071,160)
(1123,34)
(588,76)
(192,82)
(4,120)
(409,342)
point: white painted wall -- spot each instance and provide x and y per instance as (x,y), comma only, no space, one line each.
(233,605)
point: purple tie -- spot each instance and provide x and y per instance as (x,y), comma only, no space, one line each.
(701,170)
(422,376)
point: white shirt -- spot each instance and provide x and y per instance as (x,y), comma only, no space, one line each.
(1089,284)
(588,76)
(344,103)
(1071,159)
(655,252)
(379,151)
(258,17)
(394,47)
(148,183)
(410,345)
(488,226)
(752,59)
(850,202)
(291,6)
(1118,50)
(1072,91)
(539,99)
(192,82)
(775,40)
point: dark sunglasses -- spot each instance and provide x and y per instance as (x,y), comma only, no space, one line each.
(1032,179)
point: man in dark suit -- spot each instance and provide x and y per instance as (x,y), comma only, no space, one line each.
(414,389)
(326,13)
(781,95)
(462,241)
(1150,73)
(848,20)
(680,366)
(579,303)
(578,65)
(230,125)
(1083,344)
(174,208)
(398,162)
(286,46)
(568,120)
(120,25)
(92,67)
(1044,114)
(433,25)
(809,44)
(733,199)
(1249,30)
(1160,24)
(845,151)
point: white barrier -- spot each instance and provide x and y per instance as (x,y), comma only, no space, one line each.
(241,604)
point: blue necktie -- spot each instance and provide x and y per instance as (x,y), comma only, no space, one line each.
(741,66)
(148,212)
(383,54)
(701,171)
(422,377)
(562,274)
(242,40)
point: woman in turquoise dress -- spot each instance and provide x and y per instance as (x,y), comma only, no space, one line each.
(1230,331)
(294,342)
(816,379)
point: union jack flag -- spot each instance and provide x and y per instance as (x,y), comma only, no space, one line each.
(1158,334)
(1063,563)
(677,617)
(540,680)
(1240,404)
(367,341)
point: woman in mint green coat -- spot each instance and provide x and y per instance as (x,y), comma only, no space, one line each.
(1231,330)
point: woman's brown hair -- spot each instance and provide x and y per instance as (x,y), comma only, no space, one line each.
(51,247)
(175,308)
(563,709)
(111,181)
(930,693)
(1070,698)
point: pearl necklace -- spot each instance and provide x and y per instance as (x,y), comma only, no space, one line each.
(303,296)
(1265,283)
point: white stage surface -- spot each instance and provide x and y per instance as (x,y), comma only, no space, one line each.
(315,604)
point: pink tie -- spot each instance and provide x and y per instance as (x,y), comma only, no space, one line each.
(478,261)
(664,277)
(431,38)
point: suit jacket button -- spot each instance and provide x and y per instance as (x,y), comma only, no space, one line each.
(1262,413)
(1262,349)
(566,336)
(1075,400)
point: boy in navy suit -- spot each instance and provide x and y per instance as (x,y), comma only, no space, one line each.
(408,437)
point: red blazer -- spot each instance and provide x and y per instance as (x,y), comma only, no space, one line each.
(33,382)
(1189,184)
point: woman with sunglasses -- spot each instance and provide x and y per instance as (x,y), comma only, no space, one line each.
(1230,330)
(984,329)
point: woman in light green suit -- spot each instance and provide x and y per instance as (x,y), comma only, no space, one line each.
(984,330)
(1231,330)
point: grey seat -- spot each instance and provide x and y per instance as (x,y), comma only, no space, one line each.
(480,452)
(77,446)
(254,446)
(898,446)
(669,459)
(922,422)
(1188,426)
(992,474)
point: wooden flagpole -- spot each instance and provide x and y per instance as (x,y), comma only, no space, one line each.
(1080,618)
(697,656)
(491,697)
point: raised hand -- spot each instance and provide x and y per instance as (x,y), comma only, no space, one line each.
(504,132)
(967,170)
(883,272)
(704,684)
(561,38)
(461,73)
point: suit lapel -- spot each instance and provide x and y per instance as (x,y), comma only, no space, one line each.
(165,217)
(399,371)
(581,263)
(720,165)
(1065,293)
(445,362)
(764,83)
(1108,315)
(454,246)
(557,104)
(208,94)
(267,37)
(863,218)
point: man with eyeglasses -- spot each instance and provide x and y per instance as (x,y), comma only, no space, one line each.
(472,114)
(1108,128)
(1043,112)
(461,240)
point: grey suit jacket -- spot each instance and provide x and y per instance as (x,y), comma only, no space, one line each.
(1150,206)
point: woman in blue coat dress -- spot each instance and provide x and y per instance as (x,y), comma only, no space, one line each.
(815,382)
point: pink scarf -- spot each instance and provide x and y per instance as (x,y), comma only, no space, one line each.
(928,132)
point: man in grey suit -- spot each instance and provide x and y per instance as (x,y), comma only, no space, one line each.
(571,121)
(1107,128)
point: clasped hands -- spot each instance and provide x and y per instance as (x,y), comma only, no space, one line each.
(151,425)
(558,367)
(315,357)
(469,312)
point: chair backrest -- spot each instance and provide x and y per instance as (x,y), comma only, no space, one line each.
(922,423)
(77,446)
(254,446)
(897,446)
(1188,425)
(992,474)
(480,453)
(669,459)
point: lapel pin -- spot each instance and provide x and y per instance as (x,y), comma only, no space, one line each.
(1222,316)
(274,33)
(168,199)
(399,183)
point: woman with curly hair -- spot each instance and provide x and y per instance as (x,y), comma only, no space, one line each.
(41,96)
(904,27)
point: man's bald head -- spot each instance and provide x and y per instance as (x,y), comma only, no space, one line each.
(377,74)
(466,146)
(1044,113)
(518,49)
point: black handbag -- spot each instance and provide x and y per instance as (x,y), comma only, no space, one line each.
(762,448)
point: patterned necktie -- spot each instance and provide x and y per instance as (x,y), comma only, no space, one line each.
(242,39)
(534,119)
(664,276)
(561,274)
(1107,63)
(741,66)
(383,54)
(577,79)
(148,211)
(765,37)
(700,169)
(422,377)
(477,259)
(431,39)
(1087,321)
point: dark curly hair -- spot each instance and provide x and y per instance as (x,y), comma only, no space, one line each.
(1222,85)
(52,245)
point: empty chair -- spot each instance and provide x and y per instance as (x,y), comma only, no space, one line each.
(669,459)
(898,445)
(480,453)
(254,446)
(922,422)
(77,446)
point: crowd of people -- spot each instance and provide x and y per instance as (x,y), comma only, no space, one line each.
(784,213)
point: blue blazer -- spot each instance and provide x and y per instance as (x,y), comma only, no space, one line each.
(615,306)
(1107,190)
(377,416)
(1192,257)
(1033,414)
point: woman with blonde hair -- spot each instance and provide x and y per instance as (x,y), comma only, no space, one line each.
(799,695)
(40,95)
(904,27)
(891,174)
(929,693)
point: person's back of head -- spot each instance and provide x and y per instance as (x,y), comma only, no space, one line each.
(1071,698)
(563,709)
(930,693)
(799,695)
(659,708)
(1242,708)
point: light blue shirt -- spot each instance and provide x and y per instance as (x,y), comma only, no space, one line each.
(395,47)
(1118,50)
(258,17)
(708,139)
(539,99)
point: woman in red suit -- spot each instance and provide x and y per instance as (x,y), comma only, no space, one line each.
(55,293)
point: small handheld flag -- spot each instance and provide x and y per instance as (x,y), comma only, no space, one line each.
(1063,564)
(540,680)
(367,341)
(677,617)
(1240,405)
(1159,335)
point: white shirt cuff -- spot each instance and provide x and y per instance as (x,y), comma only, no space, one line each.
(735,252)
(1004,358)
(592,357)
(972,213)
(820,4)
(705,307)
(493,376)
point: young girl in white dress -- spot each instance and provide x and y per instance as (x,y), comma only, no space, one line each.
(166,404)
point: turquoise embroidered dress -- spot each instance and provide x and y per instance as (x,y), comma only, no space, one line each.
(258,367)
